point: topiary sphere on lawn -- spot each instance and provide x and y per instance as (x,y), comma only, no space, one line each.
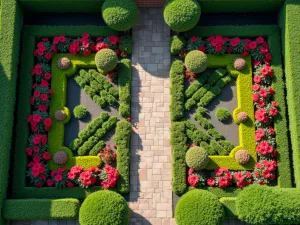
(199,207)
(196,158)
(196,61)
(182,15)
(177,44)
(106,60)
(239,64)
(120,15)
(104,207)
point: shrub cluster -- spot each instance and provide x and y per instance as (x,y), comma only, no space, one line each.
(104,207)
(196,61)
(199,207)
(197,84)
(222,114)
(106,60)
(196,158)
(182,15)
(80,112)
(120,15)
(177,44)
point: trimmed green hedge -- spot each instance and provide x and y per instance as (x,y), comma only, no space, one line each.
(229,206)
(10,24)
(177,90)
(290,15)
(262,205)
(41,209)
(124,82)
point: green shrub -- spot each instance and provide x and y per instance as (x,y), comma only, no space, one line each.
(124,81)
(177,44)
(104,207)
(222,114)
(126,44)
(120,15)
(268,205)
(199,207)
(80,112)
(216,75)
(182,15)
(197,84)
(106,60)
(196,61)
(215,134)
(197,135)
(196,158)
(217,148)
(227,145)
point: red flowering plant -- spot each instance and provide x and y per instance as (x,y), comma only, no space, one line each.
(191,76)
(216,45)
(61,44)
(265,171)
(107,155)
(83,177)
(196,178)
(40,70)
(109,177)
(242,179)
(222,178)
(194,43)
(44,51)
(37,172)
(58,178)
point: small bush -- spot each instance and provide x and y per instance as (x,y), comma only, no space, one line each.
(106,60)
(120,15)
(196,61)
(196,158)
(261,205)
(177,44)
(104,207)
(182,15)
(80,112)
(222,114)
(199,207)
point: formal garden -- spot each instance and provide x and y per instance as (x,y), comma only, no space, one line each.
(68,119)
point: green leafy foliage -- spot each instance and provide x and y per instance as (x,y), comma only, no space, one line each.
(41,209)
(80,112)
(196,158)
(106,60)
(177,44)
(199,207)
(196,61)
(268,205)
(124,81)
(222,114)
(104,207)
(120,15)
(197,84)
(126,44)
(182,15)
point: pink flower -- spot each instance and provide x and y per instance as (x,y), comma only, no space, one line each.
(193,180)
(50,182)
(114,40)
(48,55)
(261,115)
(260,133)
(46,156)
(263,93)
(193,39)
(255,97)
(43,108)
(44,97)
(235,41)
(257,79)
(239,177)
(252,45)
(255,87)
(58,177)
(211,182)
(260,40)
(273,111)
(100,46)
(223,182)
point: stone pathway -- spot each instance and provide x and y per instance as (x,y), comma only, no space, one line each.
(151,193)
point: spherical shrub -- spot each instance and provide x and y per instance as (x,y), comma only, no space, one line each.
(222,114)
(60,158)
(239,64)
(106,60)
(104,207)
(60,115)
(196,158)
(182,15)
(199,207)
(196,61)
(80,112)
(63,63)
(177,44)
(259,204)
(120,15)
(242,117)
(242,156)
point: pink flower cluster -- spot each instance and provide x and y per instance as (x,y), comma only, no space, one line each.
(107,155)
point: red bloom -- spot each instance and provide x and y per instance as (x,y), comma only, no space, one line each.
(35,149)
(239,176)
(261,115)
(44,139)
(235,41)
(263,50)
(268,56)
(260,133)
(271,130)
(29,151)
(62,39)
(219,48)
(256,62)
(114,40)
(263,93)
(255,97)
(255,87)
(58,177)
(260,40)
(48,55)
(54,49)
(44,97)
(46,156)
(50,182)
(36,94)
(69,184)
(228,50)
(43,108)
(85,43)
(261,103)
(44,83)
(118,51)
(244,54)
(86,52)
(193,39)
(252,45)
(193,180)
(273,111)
(211,182)
(48,122)
(100,46)
(223,182)
(36,118)
(48,76)
(85,35)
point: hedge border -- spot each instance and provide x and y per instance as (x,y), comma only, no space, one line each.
(30,34)
(41,209)
(289,19)
(272,33)
(10,28)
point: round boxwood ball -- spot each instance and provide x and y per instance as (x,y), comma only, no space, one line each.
(199,207)
(242,117)
(104,207)
(80,112)
(177,44)
(242,156)
(120,15)
(106,60)
(182,15)
(222,114)
(196,61)
(239,64)
(196,158)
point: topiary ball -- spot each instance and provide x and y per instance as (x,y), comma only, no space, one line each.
(106,60)
(80,112)
(60,115)
(177,44)
(196,61)
(199,207)
(60,158)
(182,15)
(239,64)
(242,117)
(242,156)
(196,158)
(104,207)
(120,15)
(222,114)
(63,63)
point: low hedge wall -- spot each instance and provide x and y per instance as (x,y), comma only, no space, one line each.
(41,209)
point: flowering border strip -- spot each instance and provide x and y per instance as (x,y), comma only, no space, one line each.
(272,32)
(29,36)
